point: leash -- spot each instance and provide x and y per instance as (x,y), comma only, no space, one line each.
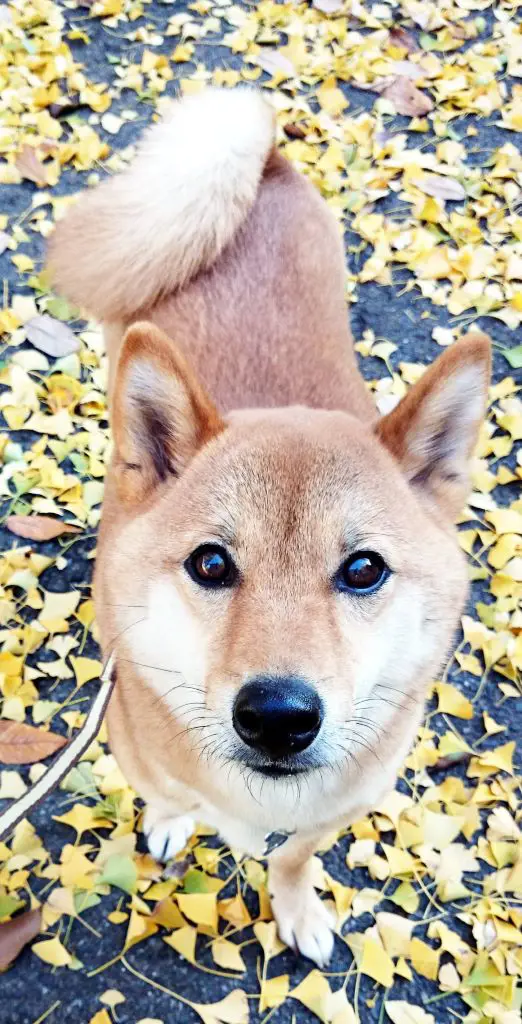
(68,756)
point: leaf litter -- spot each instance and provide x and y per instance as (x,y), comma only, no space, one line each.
(382,106)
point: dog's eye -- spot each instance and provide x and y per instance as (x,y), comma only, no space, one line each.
(362,573)
(211,566)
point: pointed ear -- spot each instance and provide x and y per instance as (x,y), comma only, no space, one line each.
(433,430)
(161,414)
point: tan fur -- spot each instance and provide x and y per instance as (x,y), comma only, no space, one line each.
(286,465)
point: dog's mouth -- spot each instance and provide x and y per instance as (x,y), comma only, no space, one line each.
(279,771)
(282,768)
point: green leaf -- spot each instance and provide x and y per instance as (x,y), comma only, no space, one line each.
(428,42)
(513,356)
(121,871)
(44,709)
(197,881)
(61,309)
(80,780)
(108,808)
(84,900)
(8,905)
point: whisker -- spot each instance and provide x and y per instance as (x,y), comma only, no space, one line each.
(370,749)
(154,668)
(125,630)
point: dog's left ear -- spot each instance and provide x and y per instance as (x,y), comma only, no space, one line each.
(432,432)
(161,414)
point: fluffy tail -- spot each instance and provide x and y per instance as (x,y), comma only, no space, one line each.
(144,233)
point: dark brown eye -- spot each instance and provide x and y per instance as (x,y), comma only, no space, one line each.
(211,566)
(362,573)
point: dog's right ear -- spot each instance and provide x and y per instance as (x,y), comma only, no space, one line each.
(161,415)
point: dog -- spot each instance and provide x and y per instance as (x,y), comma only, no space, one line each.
(278,573)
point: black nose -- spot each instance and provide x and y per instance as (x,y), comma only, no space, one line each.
(279,716)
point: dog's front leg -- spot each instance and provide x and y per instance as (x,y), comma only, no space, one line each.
(167,830)
(303,921)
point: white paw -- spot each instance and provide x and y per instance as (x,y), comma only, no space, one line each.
(166,836)
(304,924)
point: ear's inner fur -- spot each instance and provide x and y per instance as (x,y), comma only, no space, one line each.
(158,438)
(433,430)
(162,416)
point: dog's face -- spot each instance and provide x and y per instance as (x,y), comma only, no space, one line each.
(298,571)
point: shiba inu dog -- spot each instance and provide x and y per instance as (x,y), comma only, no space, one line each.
(278,573)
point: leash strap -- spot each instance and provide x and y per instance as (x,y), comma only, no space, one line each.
(67,758)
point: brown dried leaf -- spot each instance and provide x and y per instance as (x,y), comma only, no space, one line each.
(441,187)
(39,527)
(400,37)
(15,934)
(25,744)
(51,336)
(451,761)
(406,98)
(30,166)
(294,131)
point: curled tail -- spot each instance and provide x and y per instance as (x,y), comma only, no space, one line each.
(145,232)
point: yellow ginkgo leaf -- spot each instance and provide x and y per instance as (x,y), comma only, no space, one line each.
(401,1012)
(377,963)
(274,992)
(233,1009)
(86,669)
(424,958)
(315,993)
(184,941)
(200,907)
(451,701)
(52,952)
(227,954)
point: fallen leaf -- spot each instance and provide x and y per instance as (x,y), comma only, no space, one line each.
(441,187)
(400,37)
(513,356)
(183,940)
(377,963)
(25,744)
(452,702)
(401,1012)
(406,98)
(227,954)
(233,1009)
(276,63)
(201,908)
(39,527)
(31,167)
(328,6)
(51,336)
(315,993)
(121,871)
(15,934)
(52,952)
(112,998)
(102,1017)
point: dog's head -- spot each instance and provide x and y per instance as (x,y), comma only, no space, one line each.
(298,570)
